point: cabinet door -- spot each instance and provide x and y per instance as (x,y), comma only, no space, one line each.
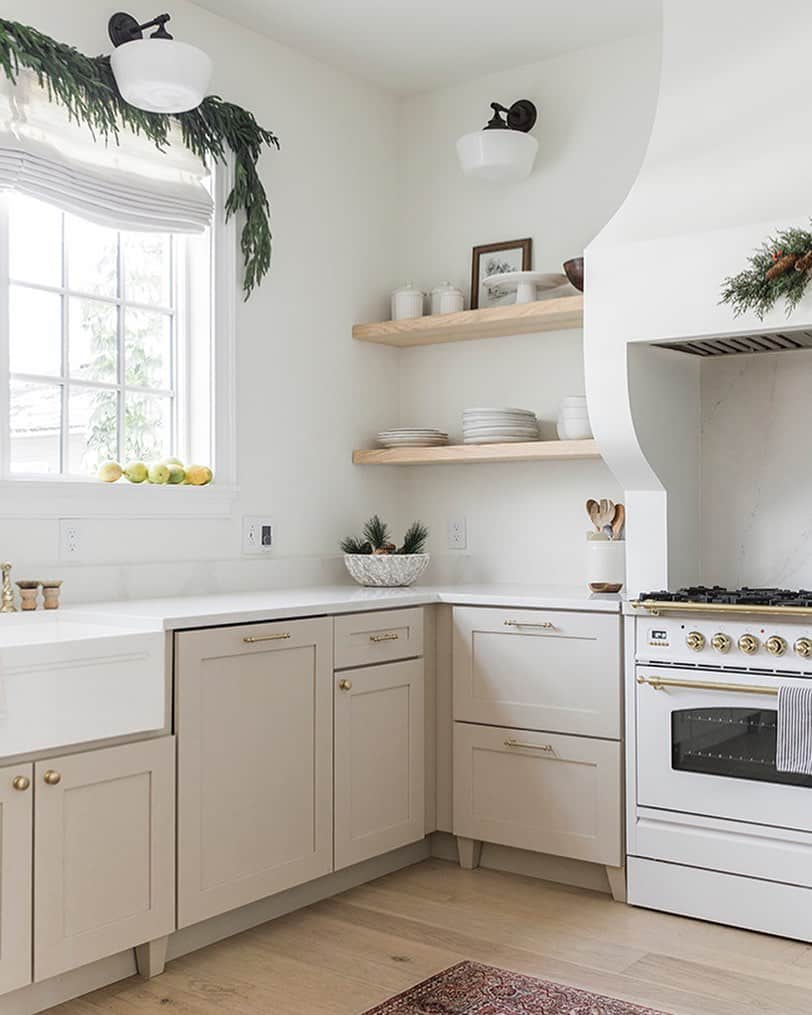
(538,791)
(538,670)
(16,822)
(254,725)
(379,762)
(104,853)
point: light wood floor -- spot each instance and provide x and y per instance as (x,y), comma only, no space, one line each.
(348,953)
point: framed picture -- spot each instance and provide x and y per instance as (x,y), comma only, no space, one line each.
(493,259)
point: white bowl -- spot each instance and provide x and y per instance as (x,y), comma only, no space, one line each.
(386,570)
(574,430)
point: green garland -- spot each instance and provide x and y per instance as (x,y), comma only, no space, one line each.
(85,86)
(779,269)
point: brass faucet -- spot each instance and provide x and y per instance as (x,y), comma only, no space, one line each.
(7,596)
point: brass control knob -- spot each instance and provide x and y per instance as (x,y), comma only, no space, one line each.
(695,641)
(21,782)
(721,642)
(52,778)
(345,685)
(803,647)
(775,646)
(748,643)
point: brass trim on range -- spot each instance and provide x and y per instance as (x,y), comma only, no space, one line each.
(659,683)
(252,639)
(656,606)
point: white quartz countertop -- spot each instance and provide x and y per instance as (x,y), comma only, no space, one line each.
(182,612)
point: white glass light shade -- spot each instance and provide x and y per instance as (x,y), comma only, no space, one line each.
(498,155)
(161,75)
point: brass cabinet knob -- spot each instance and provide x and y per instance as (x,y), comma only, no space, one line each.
(345,685)
(775,646)
(695,641)
(803,647)
(721,642)
(21,782)
(748,643)
(52,778)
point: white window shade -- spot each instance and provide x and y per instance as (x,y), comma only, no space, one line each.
(129,185)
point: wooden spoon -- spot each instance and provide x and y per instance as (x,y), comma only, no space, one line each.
(618,521)
(605,514)
(592,509)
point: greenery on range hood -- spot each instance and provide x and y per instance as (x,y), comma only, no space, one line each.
(85,86)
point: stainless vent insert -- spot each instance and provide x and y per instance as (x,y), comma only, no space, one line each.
(737,345)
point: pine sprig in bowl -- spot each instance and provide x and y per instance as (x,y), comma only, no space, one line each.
(373,559)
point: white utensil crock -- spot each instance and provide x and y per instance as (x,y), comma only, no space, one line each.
(606,562)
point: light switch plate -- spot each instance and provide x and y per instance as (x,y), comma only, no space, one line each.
(257,534)
(457,534)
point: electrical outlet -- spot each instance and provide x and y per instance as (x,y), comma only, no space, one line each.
(457,534)
(71,538)
(257,534)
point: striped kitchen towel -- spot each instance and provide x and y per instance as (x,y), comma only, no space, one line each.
(793,750)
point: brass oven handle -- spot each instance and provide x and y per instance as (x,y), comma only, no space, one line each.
(546,625)
(658,683)
(547,748)
(390,636)
(656,606)
(251,639)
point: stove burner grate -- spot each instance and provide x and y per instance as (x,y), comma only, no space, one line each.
(745,596)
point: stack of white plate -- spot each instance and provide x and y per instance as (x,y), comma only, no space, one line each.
(499,426)
(573,419)
(412,437)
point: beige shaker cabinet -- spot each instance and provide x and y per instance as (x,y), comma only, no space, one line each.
(379,760)
(104,870)
(16,815)
(254,720)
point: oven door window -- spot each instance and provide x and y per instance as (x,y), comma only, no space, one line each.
(735,742)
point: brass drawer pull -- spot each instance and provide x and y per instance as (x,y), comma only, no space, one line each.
(545,625)
(390,636)
(547,748)
(21,782)
(252,639)
(52,778)
(345,685)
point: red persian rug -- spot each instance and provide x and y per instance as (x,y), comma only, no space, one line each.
(472,989)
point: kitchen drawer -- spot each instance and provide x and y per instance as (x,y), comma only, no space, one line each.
(378,637)
(538,791)
(538,669)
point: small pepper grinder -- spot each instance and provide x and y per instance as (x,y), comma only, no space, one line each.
(7,598)
(28,594)
(50,594)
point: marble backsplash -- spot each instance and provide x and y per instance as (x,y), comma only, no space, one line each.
(756,462)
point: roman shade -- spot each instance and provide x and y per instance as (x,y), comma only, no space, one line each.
(130,185)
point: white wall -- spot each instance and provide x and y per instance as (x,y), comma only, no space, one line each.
(306,393)
(756,479)
(526,522)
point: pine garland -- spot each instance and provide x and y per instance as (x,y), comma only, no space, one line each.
(86,87)
(778,270)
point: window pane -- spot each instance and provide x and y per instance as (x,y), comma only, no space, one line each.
(35,331)
(35,241)
(147,268)
(93,340)
(35,412)
(148,349)
(147,427)
(92,429)
(92,257)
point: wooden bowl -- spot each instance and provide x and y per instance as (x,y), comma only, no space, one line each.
(574,269)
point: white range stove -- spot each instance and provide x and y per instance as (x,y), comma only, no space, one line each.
(714,830)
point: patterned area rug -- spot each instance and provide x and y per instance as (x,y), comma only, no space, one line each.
(472,989)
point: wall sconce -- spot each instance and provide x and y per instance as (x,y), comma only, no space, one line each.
(503,151)
(157,74)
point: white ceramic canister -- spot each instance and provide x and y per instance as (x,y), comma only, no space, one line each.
(407,302)
(446,299)
(606,562)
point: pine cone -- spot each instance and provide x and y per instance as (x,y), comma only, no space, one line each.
(781,267)
(385,550)
(804,263)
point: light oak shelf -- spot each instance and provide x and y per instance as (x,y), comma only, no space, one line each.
(492,322)
(461,454)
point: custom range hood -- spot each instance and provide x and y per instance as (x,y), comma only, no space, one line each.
(729,163)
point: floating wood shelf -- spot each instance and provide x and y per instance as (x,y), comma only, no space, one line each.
(492,322)
(460,454)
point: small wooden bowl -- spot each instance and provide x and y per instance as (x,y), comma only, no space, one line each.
(574,269)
